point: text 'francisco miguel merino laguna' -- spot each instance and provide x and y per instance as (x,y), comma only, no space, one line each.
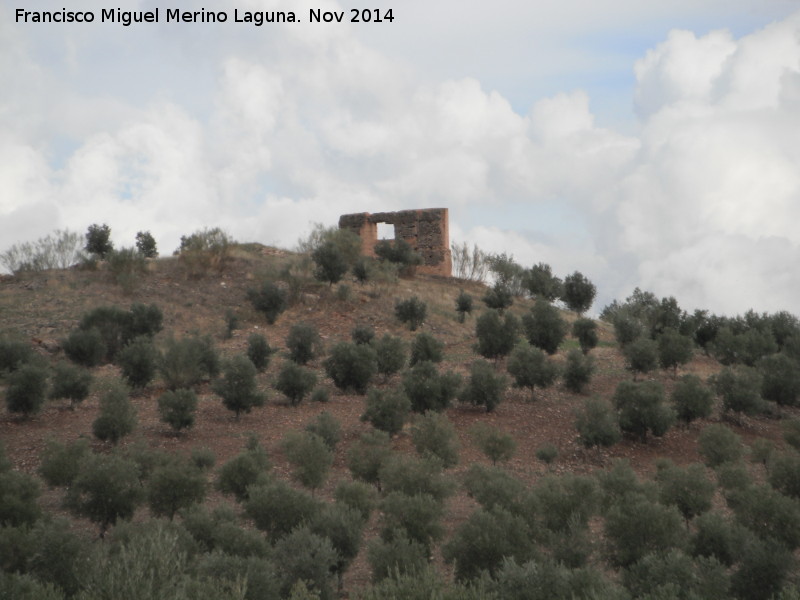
(175,15)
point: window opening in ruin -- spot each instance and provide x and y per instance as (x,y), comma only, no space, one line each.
(385,231)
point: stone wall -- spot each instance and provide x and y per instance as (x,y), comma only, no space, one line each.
(425,230)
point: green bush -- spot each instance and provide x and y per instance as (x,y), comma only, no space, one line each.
(544,327)
(178,408)
(106,489)
(674,574)
(767,513)
(641,408)
(351,366)
(740,390)
(530,368)
(433,435)
(585,331)
(718,445)
(548,579)
(218,530)
(688,488)
(126,265)
(320,394)
(19,499)
(84,347)
(175,485)
(463,305)
(398,252)
(246,469)
(691,399)
(310,457)
(98,240)
(118,327)
(411,311)
(60,557)
(578,292)
(117,416)
(203,458)
(578,371)
(331,263)
(496,336)
(498,297)
(14,354)
(269,299)
(414,476)
(146,244)
(358,495)
(427,389)
(60,462)
(70,382)
(277,508)
(562,502)
(203,250)
(547,454)
(641,356)
(138,362)
(597,424)
(419,516)
(390,354)
(237,387)
(398,555)
(674,349)
(426,347)
(362,334)
(259,351)
(493,442)
(627,329)
(716,537)
(763,571)
(59,250)
(784,474)
(303,343)
(540,282)
(343,527)
(492,486)
(327,427)
(367,455)
(487,539)
(780,379)
(186,362)
(295,382)
(484,387)
(387,410)
(791,432)
(27,390)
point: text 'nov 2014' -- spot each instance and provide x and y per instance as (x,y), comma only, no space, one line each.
(127,18)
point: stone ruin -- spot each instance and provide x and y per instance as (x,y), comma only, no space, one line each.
(425,230)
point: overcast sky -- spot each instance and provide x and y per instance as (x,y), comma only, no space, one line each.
(652,144)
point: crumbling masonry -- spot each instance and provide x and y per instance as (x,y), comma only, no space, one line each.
(425,230)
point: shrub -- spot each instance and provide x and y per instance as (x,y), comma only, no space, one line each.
(343,527)
(60,462)
(780,379)
(641,355)
(295,382)
(269,299)
(126,265)
(85,347)
(14,354)
(70,382)
(398,252)
(59,250)
(237,387)
(426,347)
(398,555)
(498,297)
(469,264)
(485,540)
(358,495)
(347,242)
(763,570)
(597,424)
(203,250)
(27,390)
(463,305)
(277,508)
(413,476)
(547,453)
(427,389)
(578,371)
(387,410)
(784,474)
(716,537)
(494,443)
(362,334)
(19,499)
(484,387)
(248,468)
(361,271)
(494,487)
(203,458)
(258,351)
(691,399)
(138,361)
(578,292)
(496,337)
(718,445)
(117,416)
(627,329)
(351,366)
(767,513)
(367,455)
(411,311)
(674,349)
(327,427)
(320,394)
(177,408)
(687,488)
(540,282)
(303,343)
(310,456)
(107,488)
(740,390)
(390,354)
(419,516)
(641,408)
(433,435)
(146,244)
(673,574)
(60,557)
(98,240)
(641,527)
(791,432)
(173,486)
(330,262)
(585,331)
(186,362)
(544,327)
(118,327)
(530,367)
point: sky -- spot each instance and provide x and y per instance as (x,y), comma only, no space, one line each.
(645,144)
